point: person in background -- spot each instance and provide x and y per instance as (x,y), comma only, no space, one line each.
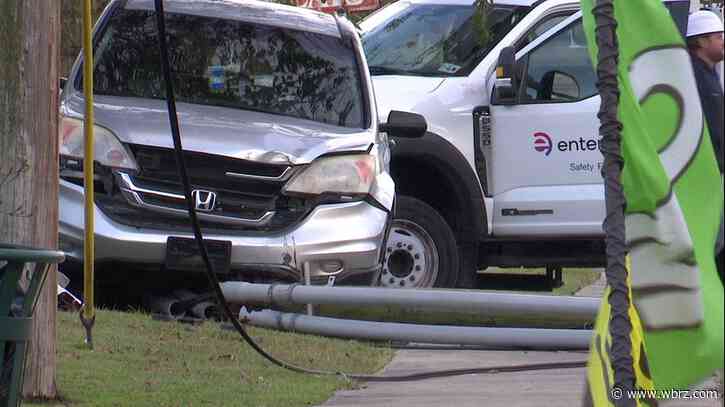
(705,42)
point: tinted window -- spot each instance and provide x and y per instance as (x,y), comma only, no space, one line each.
(437,40)
(233,64)
(560,68)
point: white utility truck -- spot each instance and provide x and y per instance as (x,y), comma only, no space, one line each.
(509,172)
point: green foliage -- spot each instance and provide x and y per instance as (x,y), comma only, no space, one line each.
(480,22)
(72,30)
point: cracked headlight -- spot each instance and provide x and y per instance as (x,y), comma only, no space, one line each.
(108,150)
(342,174)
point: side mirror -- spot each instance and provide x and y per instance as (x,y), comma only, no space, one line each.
(404,125)
(506,84)
(61,82)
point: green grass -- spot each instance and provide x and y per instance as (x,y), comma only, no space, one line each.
(141,362)
(528,280)
(575,280)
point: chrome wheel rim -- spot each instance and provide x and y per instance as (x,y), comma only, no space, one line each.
(411,257)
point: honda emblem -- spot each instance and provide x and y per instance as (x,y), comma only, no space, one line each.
(204,201)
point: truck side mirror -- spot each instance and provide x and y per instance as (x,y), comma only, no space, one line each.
(404,125)
(506,83)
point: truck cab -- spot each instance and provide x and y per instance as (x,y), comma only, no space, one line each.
(509,172)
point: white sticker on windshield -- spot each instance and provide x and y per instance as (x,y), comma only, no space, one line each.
(449,68)
(265,81)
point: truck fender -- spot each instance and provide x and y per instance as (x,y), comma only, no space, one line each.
(436,152)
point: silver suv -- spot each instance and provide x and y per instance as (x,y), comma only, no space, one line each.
(280,132)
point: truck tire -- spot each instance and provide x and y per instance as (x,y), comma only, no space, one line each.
(421,249)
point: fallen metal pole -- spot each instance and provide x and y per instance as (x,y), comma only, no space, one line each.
(167,307)
(519,338)
(206,310)
(483,303)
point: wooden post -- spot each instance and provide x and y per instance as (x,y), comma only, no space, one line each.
(29,57)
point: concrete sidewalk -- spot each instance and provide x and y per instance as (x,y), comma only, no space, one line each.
(562,387)
(535,389)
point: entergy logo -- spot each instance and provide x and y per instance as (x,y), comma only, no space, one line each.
(542,143)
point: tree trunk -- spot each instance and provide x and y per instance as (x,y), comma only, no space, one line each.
(29,57)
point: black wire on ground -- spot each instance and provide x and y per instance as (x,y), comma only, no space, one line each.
(214,281)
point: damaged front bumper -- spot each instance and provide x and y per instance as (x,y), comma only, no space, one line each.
(344,240)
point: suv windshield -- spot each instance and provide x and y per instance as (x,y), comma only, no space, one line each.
(231,63)
(437,40)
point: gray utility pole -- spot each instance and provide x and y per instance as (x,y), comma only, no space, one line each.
(29,57)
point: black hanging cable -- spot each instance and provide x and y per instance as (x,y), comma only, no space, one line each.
(181,166)
(214,281)
(610,129)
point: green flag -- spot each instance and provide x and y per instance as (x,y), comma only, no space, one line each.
(674,196)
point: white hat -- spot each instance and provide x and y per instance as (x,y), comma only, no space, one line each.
(703,22)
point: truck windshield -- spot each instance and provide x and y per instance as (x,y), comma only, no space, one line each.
(233,64)
(437,39)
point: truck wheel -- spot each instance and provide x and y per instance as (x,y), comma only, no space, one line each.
(421,249)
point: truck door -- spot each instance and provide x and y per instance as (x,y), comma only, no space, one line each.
(544,164)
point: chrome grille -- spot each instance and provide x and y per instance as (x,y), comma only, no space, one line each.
(246,195)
